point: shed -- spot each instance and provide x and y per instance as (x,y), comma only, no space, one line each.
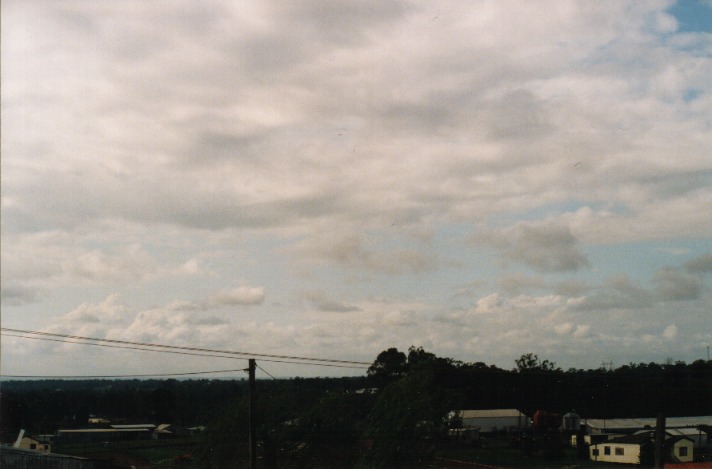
(491,420)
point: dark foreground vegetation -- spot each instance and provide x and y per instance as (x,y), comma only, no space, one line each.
(394,417)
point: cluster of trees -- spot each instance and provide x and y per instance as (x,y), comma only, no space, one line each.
(396,415)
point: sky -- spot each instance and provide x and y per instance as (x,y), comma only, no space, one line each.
(330,179)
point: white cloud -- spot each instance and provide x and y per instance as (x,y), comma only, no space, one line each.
(348,149)
(670,332)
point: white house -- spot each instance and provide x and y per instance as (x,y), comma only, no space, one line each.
(627,449)
(491,420)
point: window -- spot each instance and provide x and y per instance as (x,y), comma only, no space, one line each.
(607,450)
(619,451)
(33,446)
(682,451)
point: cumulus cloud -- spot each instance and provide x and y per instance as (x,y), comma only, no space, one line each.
(670,332)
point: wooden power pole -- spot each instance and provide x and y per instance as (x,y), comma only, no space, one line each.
(660,441)
(253,433)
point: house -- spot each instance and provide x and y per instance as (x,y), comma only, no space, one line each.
(34,444)
(698,436)
(629,449)
(594,439)
(491,420)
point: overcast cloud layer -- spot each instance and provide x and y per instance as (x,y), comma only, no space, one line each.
(330,179)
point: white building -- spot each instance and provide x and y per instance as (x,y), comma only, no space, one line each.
(492,420)
(627,449)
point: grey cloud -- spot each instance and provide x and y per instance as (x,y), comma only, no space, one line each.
(326,304)
(702,264)
(618,292)
(572,288)
(353,251)
(518,116)
(238,296)
(517,283)
(16,295)
(675,285)
(545,247)
(208,321)
(336,307)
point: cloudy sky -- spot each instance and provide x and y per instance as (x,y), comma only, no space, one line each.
(331,179)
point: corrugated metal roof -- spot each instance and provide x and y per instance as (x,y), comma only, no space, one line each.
(489,413)
(149,426)
(104,430)
(670,422)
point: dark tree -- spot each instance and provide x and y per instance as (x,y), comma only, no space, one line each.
(389,365)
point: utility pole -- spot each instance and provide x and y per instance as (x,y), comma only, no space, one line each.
(253,433)
(660,441)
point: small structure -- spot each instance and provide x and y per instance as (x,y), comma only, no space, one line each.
(491,420)
(571,422)
(34,444)
(629,449)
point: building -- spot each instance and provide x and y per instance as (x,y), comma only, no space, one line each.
(630,426)
(629,449)
(491,420)
(34,444)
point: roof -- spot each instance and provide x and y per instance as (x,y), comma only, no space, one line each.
(670,422)
(104,430)
(44,456)
(642,437)
(147,426)
(489,413)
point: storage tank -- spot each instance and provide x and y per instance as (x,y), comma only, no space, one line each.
(571,422)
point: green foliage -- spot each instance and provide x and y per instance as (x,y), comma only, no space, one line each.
(388,366)
(529,362)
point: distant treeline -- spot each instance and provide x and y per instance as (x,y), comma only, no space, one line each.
(399,404)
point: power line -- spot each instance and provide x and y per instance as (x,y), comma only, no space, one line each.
(180,353)
(266,372)
(118,376)
(150,347)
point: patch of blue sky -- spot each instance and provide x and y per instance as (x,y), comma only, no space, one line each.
(691,95)
(553,209)
(693,16)
(641,260)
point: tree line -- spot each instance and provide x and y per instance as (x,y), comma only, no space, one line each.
(395,415)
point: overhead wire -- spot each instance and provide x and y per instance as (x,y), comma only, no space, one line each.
(184,348)
(162,348)
(265,371)
(154,375)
